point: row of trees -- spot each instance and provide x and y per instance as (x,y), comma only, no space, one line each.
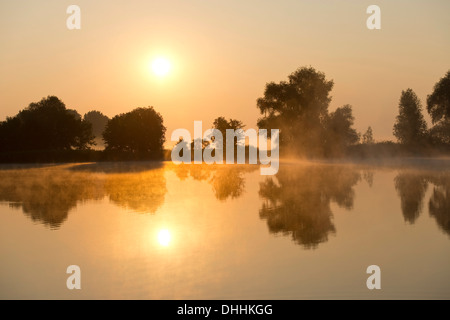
(49,125)
(297,107)
(411,128)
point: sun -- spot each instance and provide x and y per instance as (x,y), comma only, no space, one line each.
(161,67)
(164,237)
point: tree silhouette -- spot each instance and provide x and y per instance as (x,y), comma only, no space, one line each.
(45,125)
(98,121)
(223,125)
(440,132)
(438,106)
(367,137)
(74,113)
(438,103)
(410,127)
(339,131)
(298,108)
(140,131)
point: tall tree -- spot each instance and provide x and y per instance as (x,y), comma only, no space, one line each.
(410,127)
(339,131)
(140,131)
(438,103)
(223,125)
(438,106)
(367,137)
(298,108)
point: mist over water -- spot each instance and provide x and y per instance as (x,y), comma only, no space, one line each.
(155,230)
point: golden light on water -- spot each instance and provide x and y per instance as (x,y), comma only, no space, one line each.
(164,237)
(161,67)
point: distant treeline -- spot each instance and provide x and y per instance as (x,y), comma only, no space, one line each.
(47,131)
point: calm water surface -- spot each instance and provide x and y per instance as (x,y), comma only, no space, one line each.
(160,231)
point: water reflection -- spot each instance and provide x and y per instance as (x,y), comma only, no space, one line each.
(227,181)
(411,187)
(47,195)
(439,204)
(297,201)
(142,192)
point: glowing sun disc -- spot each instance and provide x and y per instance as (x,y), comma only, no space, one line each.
(161,66)
(164,237)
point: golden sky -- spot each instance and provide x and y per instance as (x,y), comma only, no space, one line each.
(222,53)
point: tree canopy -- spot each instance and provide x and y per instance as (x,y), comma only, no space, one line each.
(223,124)
(438,102)
(98,121)
(367,137)
(299,109)
(339,131)
(140,131)
(410,127)
(438,106)
(45,125)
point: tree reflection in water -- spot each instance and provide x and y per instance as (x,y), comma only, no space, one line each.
(297,201)
(439,204)
(47,194)
(227,181)
(411,187)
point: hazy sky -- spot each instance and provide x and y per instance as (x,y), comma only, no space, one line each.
(222,54)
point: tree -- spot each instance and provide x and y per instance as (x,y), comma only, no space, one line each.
(440,132)
(74,113)
(140,131)
(410,127)
(438,106)
(438,103)
(98,121)
(45,125)
(298,108)
(223,125)
(339,130)
(367,137)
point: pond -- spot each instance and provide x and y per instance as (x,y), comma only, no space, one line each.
(149,230)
